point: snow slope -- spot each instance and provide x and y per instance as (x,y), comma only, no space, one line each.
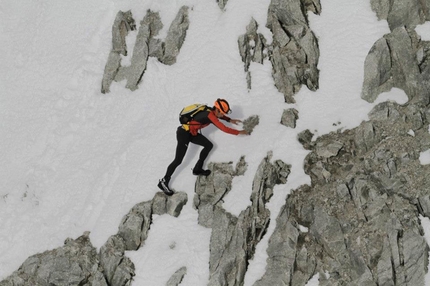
(75,160)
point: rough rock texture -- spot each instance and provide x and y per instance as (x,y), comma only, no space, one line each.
(250,123)
(252,48)
(289,117)
(78,263)
(123,23)
(175,37)
(233,239)
(146,45)
(400,60)
(117,269)
(361,210)
(177,277)
(294,51)
(305,138)
(400,13)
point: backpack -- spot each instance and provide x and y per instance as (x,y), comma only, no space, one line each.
(187,114)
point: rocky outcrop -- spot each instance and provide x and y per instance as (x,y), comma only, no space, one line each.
(294,51)
(78,263)
(250,123)
(123,23)
(117,268)
(177,277)
(234,239)
(146,46)
(289,117)
(358,221)
(400,13)
(399,59)
(252,48)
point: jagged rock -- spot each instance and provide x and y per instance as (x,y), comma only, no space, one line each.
(367,189)
(149,28)
(366,137)
(118,269)
(252,46)
(123,23)
(175,37)
(169,205)
(146,45)
(312,5)
(250,123)
(241,166)
(424,205)
(294,52)
(233,239)
(210,191)
(402,13)
(289,117)
(305,138)
(132,233)
(135,225)
(328,149)
(392,62)
(177,277)
(282,243)
(76,263)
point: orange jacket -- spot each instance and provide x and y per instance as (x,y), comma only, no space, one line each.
(204,118)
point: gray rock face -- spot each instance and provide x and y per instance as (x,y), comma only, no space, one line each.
(118,269)
(234,239)
(305,138)
(146,45)
(175,37)
(294,51)
(124,23)
(250,123)
(289,117)
(361,210)
(134,226)
(252,48)
(294,54)
(395,61)
(78,263)
(399,13)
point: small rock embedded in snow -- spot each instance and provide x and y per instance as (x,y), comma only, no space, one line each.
(250,123)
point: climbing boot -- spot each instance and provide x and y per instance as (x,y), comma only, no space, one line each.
(201,172)
(198,169)
(163,184)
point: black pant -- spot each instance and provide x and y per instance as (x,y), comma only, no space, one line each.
(184,138)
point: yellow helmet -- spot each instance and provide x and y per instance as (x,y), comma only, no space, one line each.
(223,106)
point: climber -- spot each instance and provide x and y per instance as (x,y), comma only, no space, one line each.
(189,132)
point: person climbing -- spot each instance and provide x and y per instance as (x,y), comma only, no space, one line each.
(189,132)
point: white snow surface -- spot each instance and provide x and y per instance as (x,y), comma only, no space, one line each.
(76,160)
